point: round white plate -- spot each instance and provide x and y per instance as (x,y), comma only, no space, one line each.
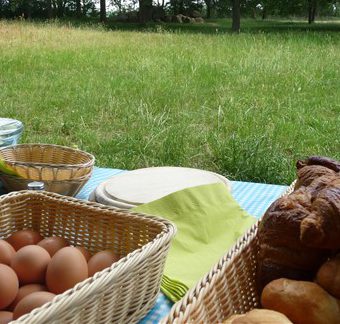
(132,188)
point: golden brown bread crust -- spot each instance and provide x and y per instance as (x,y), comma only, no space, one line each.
(259,316)
(314,167)
(328,276)
(281,252)
(319,160)
(307,174)
(301,301)
(321,228)
(298,231)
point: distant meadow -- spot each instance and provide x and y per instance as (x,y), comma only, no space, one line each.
(246,106)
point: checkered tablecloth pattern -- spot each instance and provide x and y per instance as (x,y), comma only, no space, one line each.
(253,197)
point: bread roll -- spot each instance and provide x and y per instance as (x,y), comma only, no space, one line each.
(307,174)
(281,253)
(328,276)
(301,301)
(320,160)
(232,318)
(321,228)
(259,316)
(299,231)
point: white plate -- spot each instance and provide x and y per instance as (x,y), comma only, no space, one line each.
(132,188)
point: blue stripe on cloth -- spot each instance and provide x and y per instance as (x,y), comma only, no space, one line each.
(161,309)
(98,176)
(255,198)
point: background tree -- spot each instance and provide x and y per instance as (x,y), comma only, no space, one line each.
(78,8)
(236,16)
(145,11)
(151,9)
(102,10)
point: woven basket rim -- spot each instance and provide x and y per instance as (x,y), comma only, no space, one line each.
(90,156)
(88,203)
(196,293)
(83,289)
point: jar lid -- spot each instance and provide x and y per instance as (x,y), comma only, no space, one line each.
(141,186)
(36,185)
(10,126)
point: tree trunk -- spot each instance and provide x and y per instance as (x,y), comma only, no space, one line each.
(49,9)
(264,13)
(311,11)
(28,9)
(78,8)
(208,4)
(84,11)
(145,11)
(236,23)
(102,10)
(60,8)
(253,13)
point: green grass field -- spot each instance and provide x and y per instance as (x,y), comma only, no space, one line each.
(246,106)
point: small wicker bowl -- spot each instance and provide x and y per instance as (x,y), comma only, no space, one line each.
(63,170)
(47,162)
(63,187)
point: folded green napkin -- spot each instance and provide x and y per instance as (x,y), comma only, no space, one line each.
(209,221)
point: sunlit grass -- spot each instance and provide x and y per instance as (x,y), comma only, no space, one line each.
(246,105)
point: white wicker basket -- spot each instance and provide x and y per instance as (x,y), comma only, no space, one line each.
(123,293)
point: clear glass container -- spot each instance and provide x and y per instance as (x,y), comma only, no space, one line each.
(10,131)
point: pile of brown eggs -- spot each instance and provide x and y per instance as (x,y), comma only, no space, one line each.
(34,269)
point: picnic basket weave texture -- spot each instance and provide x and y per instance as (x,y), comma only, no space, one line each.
(123,293)
(62,187)
(63,170)
(229,287)
(47,161)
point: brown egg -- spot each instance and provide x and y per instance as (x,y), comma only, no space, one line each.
(100,261)
(30,264)
(31,301)
(85,252)
(67,267)
(53,244)
(24,291)
(9,285)
(24,237)
(5,317)
(6,252)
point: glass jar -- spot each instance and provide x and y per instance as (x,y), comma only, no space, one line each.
(10,131)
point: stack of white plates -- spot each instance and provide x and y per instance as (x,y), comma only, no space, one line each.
(133,188)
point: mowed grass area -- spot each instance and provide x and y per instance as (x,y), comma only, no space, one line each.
(246,106)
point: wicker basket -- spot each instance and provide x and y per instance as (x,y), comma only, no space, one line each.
(229,288)
(62,169)
(63,187)
(123,293)
(47,162)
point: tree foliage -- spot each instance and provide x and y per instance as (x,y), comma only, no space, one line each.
(45,9)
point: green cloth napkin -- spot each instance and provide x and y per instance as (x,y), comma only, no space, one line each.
(209,221)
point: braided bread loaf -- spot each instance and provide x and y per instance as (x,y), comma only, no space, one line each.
(299,231)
